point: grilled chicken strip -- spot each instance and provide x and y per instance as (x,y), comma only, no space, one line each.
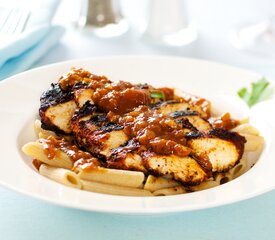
(83,95)
(56,109)
(171,106)
(183,169)
(194,118)
(129,161)
(95,133)
(223,148)
(60,101)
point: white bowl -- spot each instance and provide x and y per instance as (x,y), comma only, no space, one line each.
(19,107)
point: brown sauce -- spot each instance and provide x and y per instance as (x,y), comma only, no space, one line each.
(204,104)
(224,121)
(121,98)
(82,159)
(157,132)
(128,104)
(36,163)
(168,93)
(80,75)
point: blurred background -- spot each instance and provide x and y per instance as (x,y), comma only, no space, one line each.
(213,35)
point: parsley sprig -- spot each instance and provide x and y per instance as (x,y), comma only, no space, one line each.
(260,91)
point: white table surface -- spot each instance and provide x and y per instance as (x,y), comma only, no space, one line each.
(24,218)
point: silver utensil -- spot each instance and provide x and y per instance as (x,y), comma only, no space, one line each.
(13,21)
(168,23)
(103,18)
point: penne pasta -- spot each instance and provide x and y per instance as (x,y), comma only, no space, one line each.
(244,120)
(125,178)
(36,151)
(246,128)
(113,189)
(61,175)
(253,142)
(222,178)
(43,135)
(155,183)
(170,191)
(42,132)
(205,185)
(240,168)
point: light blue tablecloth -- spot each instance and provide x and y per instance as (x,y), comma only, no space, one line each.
(25,218)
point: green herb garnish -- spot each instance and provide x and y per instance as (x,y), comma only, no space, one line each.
(259,92)
(159,95)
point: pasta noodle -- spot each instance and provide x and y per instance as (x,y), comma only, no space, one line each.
(254,142)
(35,150)
(246,128)
(60,175)
(155,183)
(253,139)
(240,168)
(222,178)
(205,185)
(40,132)
(170,191)
(125,178)
(113,189)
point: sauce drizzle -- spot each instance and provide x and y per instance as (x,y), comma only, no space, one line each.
(82,159)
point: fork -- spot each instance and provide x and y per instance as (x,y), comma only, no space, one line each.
(13,21)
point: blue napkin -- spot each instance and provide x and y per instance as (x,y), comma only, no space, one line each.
(21,53)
